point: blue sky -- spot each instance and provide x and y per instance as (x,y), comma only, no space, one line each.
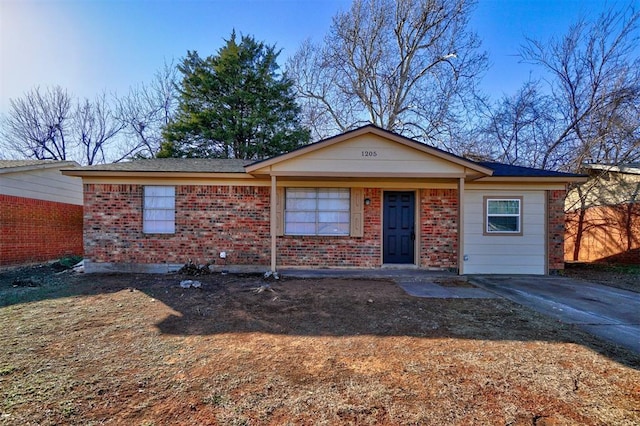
(95,45)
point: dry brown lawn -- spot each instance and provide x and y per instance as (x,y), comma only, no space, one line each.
(141,350)
(626,277)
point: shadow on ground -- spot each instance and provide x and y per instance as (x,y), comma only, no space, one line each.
(317,307)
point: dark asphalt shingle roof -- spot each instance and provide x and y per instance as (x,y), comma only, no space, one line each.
(185,165)
(217,165)
(508,170)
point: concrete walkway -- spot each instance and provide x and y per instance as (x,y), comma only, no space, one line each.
(607,312)
(416,282)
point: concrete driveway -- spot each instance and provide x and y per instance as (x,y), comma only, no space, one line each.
(607,312)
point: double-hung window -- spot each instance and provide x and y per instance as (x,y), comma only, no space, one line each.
(317,211)
(159,210)
(503,215)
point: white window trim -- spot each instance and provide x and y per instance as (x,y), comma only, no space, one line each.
(150,226)
(487,199)
(316,211)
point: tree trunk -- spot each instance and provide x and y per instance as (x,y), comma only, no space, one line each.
(579,232)
(628,225)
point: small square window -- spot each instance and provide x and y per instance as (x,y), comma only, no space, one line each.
(503,215)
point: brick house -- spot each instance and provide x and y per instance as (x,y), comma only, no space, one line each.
(40,211)
(367,198)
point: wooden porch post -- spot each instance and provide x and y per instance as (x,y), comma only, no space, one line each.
(461,226)
(274,211)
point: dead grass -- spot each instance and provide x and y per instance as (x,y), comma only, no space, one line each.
(140,350)
(626,277)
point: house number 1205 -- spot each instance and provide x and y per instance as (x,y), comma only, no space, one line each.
(369,154)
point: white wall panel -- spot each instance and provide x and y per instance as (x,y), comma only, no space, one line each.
(42,184)
(498,254)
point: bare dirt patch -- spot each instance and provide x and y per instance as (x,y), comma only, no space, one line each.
(141,350)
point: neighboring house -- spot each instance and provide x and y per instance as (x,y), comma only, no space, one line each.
(367,198)
(40,211)
(603,215)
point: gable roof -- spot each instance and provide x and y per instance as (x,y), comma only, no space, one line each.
(13,166)
(375,130)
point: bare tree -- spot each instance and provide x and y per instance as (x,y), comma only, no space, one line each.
(37,125)
(518,128)
(594,79)
(94,127)
(586,108)
(146,110)
(406,66)
(50,125)
(591,112)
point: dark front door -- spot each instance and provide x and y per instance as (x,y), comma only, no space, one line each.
(398,227)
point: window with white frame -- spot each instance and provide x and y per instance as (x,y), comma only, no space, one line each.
(503,216)
(159,210)
(317,211)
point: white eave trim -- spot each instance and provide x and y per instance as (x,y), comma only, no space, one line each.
(612,168)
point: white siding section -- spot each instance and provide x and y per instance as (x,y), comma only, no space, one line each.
(42,184)
(511,254)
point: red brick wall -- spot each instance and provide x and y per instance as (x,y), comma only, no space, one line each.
(362,252)
(209,219)
(555,231)
(439,228)
(438,246)
(36,230)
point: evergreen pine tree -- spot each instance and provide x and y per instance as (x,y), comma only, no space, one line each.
(234,105)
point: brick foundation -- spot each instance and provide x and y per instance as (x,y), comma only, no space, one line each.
(37,230)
